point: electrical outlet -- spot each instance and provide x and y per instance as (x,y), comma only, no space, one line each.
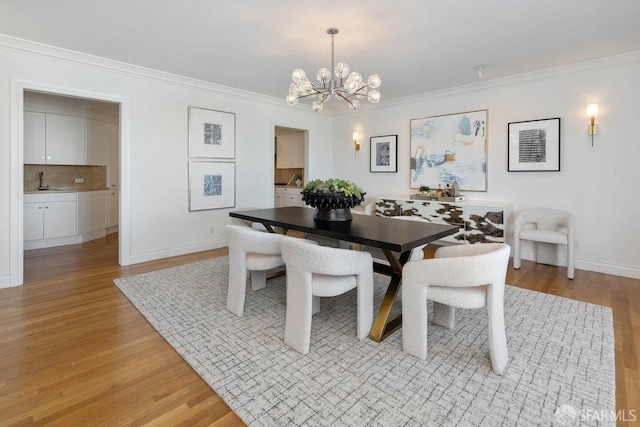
(212,230)
(79,180)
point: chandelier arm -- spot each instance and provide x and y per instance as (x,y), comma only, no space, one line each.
(341,95)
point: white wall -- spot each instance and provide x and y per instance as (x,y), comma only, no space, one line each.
(157,201)
(598,184)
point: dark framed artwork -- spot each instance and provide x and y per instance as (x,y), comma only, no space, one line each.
(212,185)
(450,148)
(534,145)
(384,153)
(212,134)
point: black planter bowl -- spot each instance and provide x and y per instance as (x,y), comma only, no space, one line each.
(332,207)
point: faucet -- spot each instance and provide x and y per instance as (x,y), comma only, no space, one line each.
(42,186)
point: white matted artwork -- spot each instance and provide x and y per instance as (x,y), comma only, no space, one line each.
(212,185)
(534,146)
(384,153)
(449,148)
(212,133)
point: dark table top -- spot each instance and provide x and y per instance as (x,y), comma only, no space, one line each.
(376,231)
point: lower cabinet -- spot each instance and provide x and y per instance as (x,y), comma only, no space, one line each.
(48,216)
(57,218)
(114,208)
(93,209)
(288,196)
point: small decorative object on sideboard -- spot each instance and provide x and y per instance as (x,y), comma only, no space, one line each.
(333,198)
(451,193)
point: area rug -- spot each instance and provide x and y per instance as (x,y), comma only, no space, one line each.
(561,358)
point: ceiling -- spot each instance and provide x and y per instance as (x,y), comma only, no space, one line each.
(416,46)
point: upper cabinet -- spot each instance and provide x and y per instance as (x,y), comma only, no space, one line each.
(98,144)
(61,143)
(290,151)
(34,137)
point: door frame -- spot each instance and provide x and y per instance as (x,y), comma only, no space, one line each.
(16,201)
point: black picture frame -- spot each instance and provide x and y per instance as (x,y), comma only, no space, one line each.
(534,145)
(384,154)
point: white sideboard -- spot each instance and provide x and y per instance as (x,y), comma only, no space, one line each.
(479,221)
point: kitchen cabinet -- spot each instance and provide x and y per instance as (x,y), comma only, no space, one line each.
(98,142)
(93,211)
(34,137)
(61,143)
(290,151)
(288,196)
(114,208)
(50,215)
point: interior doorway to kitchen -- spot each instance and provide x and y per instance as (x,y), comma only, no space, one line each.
(289,165)
(22,90)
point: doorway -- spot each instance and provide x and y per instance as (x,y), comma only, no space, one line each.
(18,90)
(289,165)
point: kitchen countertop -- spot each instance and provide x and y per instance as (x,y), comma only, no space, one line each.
(63,190)
(289,186)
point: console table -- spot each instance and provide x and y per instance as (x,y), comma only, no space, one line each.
(478,221)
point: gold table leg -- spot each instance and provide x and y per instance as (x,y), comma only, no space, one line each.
(382,326)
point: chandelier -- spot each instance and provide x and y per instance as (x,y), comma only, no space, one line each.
(350,88)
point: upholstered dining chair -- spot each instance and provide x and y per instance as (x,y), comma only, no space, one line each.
(546,227)
(253,250)
(463,276)
(320,271)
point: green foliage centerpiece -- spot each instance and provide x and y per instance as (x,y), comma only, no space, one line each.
(333,198)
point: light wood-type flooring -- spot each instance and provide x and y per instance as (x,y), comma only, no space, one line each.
(74,351)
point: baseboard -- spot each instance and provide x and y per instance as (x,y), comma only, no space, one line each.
(5,282)
(177,250)
(47,243)
(590,265)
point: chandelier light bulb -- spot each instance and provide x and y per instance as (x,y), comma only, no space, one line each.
(317,106)
(324,75)
(342,70)
(298,75)
(292,99)
(350,87)
(374,81)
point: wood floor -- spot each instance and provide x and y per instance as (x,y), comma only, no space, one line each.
(74,351)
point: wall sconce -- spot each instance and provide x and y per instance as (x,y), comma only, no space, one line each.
(592,113)
(356,144)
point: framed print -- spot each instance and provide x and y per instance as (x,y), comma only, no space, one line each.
(534,146)
(212,185)
(212,134)
(384,153)
(448,148)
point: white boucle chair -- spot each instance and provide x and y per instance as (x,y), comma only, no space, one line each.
(546,227)
(254,250)
(319,271)
(464,276)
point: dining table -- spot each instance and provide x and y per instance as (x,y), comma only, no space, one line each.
(395,238)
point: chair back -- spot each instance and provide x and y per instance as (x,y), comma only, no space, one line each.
(465,266)
(544,219)
(317,259)
(251,240)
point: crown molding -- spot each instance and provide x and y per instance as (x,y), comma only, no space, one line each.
(91,61)
(610,62)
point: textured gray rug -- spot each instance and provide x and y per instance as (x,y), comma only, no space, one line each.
(561,353)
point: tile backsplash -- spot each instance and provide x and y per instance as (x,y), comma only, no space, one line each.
(62,177)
